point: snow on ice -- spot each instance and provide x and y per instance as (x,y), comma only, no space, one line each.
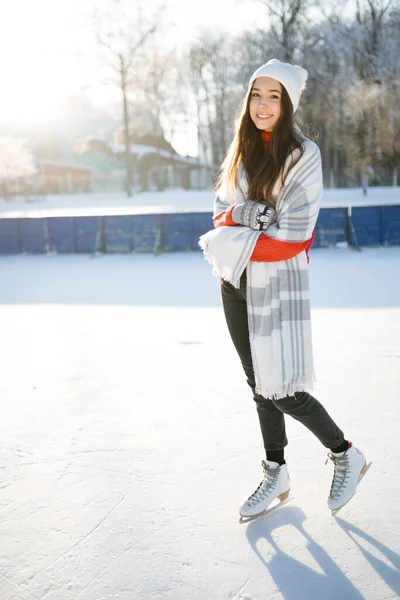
(129,437)
(175,200)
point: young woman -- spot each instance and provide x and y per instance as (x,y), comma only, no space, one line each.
(268,198)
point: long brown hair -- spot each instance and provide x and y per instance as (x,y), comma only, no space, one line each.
(262,168)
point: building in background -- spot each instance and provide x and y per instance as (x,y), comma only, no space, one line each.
(68,164)
(56,177)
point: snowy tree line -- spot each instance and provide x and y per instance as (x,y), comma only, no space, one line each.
(351,106)
(352,103)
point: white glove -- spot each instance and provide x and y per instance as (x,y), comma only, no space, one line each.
(252,214)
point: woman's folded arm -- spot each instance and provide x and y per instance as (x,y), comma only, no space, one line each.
(267,249)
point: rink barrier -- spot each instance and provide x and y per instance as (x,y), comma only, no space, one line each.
(177,232)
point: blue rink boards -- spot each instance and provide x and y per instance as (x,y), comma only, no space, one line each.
(179,232)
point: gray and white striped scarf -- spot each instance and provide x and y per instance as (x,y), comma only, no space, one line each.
(278,301)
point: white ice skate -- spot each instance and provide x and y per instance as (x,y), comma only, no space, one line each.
(275,484)
(349,468)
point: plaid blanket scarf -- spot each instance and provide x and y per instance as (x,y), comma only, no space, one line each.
(278,301)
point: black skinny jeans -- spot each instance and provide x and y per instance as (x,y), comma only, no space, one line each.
(302,406)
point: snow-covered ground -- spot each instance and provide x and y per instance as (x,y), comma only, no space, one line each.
(169,201)
(129,437)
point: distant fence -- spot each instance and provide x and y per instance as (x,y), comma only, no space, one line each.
(177,232)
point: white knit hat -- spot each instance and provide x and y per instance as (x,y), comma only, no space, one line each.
(292,77)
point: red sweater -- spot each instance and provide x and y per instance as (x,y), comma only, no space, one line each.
(267,249)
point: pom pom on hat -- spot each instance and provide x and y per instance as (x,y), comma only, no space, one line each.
(292,77)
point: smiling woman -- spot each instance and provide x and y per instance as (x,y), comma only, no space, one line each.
(268,197)
(265,103)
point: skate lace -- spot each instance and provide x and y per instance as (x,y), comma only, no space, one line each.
(341,474)
(266,486)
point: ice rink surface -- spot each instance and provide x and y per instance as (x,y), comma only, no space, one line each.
(129,438)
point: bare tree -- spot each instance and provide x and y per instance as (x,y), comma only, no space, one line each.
(213,77)
(286,18)
(371,19)
(124,34)
(163,90)
(328,58)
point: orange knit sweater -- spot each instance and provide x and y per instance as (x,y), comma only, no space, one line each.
(267,249)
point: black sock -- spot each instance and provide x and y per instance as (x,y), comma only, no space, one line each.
(276,456)
(342,447)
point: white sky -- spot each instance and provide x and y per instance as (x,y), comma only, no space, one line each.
(47,50)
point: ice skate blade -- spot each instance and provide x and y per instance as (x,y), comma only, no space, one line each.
(265,512)
(363,472)
(284,496)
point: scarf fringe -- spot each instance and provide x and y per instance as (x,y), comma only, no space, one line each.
(298,384)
